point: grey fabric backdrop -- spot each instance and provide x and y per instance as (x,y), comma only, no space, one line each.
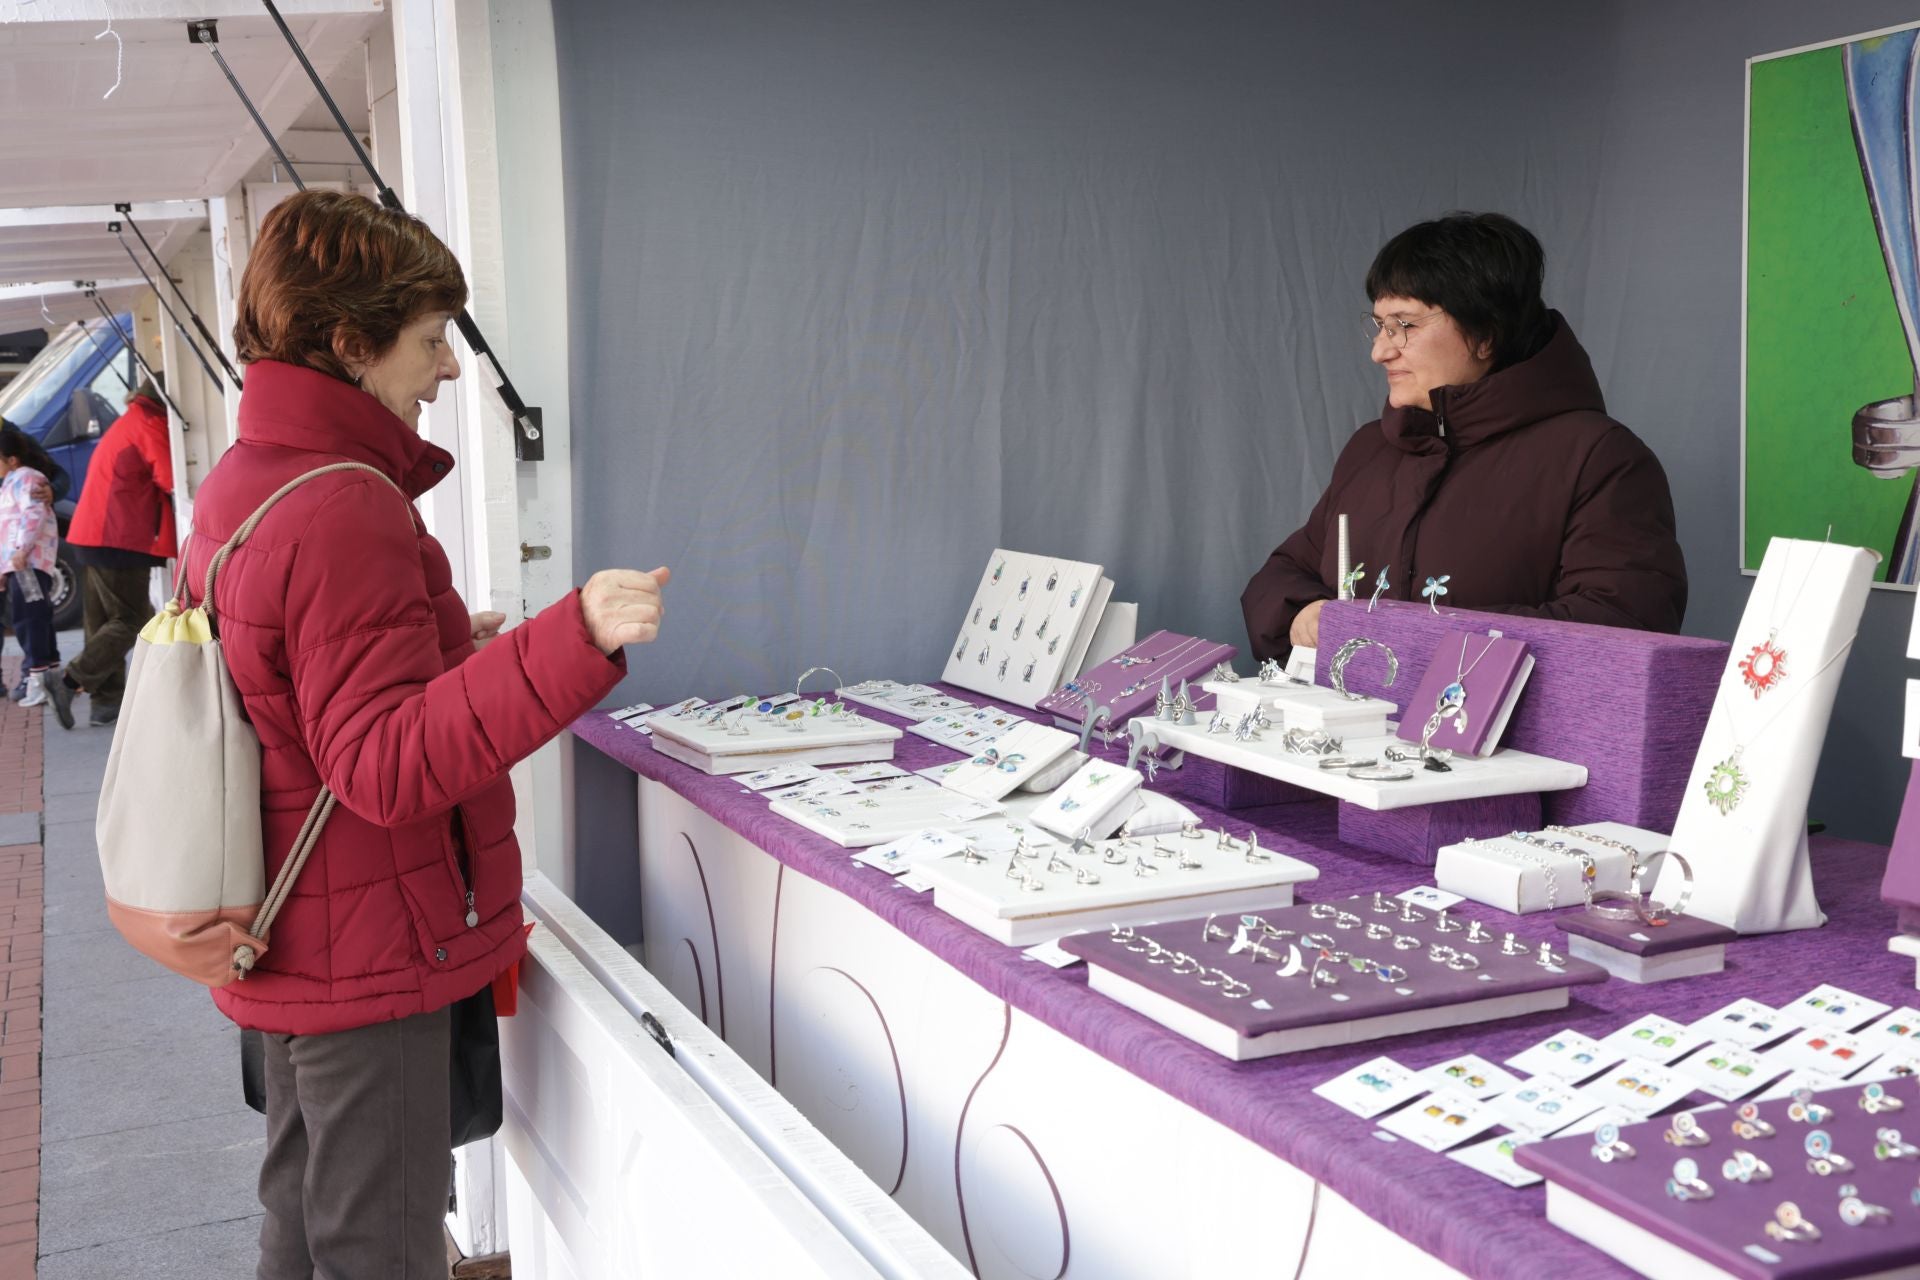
(862,290)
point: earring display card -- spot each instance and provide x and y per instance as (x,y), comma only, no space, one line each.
(1060,889)
(1772,1216)
(1130,681)
(1028,624)
(1888,1066)
(1830,1006)
(1654,1037)
(1372,1088)
(1727,1071)
(1472,683)
(1308,976)
(1639,1085)
(1822,1049)
(1568,1055)
(908,701)
(965,730)
(1896,1032)
(857,821)
(1541,1106)
(1494,1157)
(1746,1023)
(1096,799)
(784,775)
(1009,760)
(747,740)
(1442,1120)
(1471,1073)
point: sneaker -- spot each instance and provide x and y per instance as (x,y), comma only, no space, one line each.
(101,717)
(59,697)
(36,694)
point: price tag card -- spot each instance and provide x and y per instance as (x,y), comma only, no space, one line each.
(1372,1087)
(1639,1085)
(1442,1120)
(1569,1055)
(1652,1036)
(1747,1023)
(1470,1073)
(1542,1106)
(1727,1071)
(1830,1006)
(1494,1157)
(871,772)
(819,789)
(1426,895)
(1051,955)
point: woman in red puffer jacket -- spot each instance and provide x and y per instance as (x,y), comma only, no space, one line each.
(362,671)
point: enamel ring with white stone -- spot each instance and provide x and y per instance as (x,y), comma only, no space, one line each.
(1686,1183)
(1685,1131)
(1790,1225)
(1607,1146)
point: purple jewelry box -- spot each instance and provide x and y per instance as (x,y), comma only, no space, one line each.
(1175,660)
(1294,1002)
(1720,1230)
(1680,933)
(1629,705)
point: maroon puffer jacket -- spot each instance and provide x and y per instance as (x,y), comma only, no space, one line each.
(355,660)
(1519,487)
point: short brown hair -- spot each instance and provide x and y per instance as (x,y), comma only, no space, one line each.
(331,272)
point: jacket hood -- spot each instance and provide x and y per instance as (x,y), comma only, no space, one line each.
(295,407)
(1557,379)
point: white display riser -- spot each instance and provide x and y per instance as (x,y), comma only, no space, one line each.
(620,1163)
(898,1058)
(1901,945)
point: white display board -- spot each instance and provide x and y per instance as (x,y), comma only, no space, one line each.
(1029,623)
(1743,818)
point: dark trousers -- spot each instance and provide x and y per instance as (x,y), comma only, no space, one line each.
(117,606)
(33,620)
(357,1167)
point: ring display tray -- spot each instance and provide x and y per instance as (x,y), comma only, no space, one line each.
(984,896)
(1287,1014)
(844,739)
(1504,773)
(1622,1207)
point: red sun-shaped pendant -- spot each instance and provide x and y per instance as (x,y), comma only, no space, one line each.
(1764,667)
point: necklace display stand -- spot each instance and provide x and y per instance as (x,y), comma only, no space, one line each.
(1744,811)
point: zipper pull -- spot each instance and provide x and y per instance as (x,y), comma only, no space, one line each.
(473,917)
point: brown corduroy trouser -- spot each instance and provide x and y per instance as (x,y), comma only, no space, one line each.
(357,1167)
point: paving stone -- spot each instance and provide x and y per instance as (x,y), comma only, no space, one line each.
(140,1183)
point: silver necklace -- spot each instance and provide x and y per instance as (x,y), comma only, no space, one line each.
(1453,699)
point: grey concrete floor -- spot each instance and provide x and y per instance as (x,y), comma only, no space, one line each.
(148,1154)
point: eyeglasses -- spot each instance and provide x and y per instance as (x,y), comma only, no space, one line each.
(1397,329)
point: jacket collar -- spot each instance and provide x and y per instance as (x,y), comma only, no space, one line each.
(294,407)
(1557,379)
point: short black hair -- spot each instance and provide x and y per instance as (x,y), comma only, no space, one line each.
(1483,269)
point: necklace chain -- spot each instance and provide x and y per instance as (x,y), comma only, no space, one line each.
(1460,669)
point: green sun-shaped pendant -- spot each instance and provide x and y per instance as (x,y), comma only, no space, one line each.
(1727,785)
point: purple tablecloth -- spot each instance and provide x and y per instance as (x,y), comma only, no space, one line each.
(1463,1218)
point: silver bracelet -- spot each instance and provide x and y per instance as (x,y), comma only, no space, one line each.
(1337,671)
(1589,869)
(1527,856)
(1633,855)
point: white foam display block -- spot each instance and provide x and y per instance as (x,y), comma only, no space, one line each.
(846,739)
(1096,799)
(1645,969)
(1228,1043)
(984,897)
(1508,875)
(1504,773)
(1902,945)
(1303,706)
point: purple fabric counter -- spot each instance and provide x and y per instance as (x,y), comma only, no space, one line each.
(1462,1217)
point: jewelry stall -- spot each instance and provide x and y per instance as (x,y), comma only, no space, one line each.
(1463,1028)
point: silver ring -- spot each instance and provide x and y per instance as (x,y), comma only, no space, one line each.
(1856,1212)
(1685,1131)
(1379,773)
(1463,961)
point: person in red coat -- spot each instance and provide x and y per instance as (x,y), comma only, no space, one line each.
(1494,463)
(122,529)
(362,671)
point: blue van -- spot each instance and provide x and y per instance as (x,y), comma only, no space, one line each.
(67,398)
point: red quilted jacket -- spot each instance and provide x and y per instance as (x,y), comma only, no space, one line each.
(355,660)
(127,503)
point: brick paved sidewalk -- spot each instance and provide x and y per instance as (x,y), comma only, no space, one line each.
(22,921)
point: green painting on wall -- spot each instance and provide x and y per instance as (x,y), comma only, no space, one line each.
(1831,431)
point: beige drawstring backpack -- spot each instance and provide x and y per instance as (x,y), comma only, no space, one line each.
(179,820)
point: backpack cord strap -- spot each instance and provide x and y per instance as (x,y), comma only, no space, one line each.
(253,522)
(303,845)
